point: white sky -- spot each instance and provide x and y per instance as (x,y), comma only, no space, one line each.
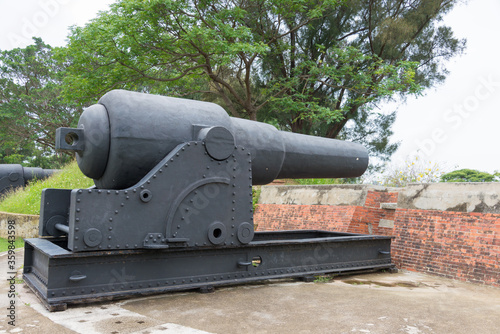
(455,124)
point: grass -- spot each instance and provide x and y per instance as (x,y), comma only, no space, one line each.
(27,200)
(255,196)
(4,244)
(318,181)
(322,279)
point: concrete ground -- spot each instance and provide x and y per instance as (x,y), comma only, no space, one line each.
(371,303)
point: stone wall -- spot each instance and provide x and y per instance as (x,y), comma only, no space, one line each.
(25,226)
(449,238)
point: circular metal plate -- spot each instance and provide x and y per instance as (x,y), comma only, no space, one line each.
(50,226)
(217,233)
(245,233)
(219,142)
(92,237)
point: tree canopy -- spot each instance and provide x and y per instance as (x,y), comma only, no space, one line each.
(309,66)
(470,175)
(31,107)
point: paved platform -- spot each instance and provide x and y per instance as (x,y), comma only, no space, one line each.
(371,303)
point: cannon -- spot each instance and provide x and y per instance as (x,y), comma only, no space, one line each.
(171,208)
(14,176)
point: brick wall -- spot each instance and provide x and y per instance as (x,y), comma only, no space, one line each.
(459,245)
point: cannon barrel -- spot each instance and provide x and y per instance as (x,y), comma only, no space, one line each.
(13,176)
(119,139)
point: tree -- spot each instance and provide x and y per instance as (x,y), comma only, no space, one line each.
(469,175)
(413,170)
(31,107)
(306,66)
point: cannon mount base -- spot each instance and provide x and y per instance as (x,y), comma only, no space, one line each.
(60,277)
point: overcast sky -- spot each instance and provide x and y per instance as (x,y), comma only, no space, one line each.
(455,124)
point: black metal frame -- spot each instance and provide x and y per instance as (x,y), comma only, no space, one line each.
(60,277)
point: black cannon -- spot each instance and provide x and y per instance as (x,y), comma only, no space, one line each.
(14,176)
(172,204)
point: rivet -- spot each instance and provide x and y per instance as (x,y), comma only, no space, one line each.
(126,192)
(178,226)
(117,246)
(90,191)
(234,201)
(79,191)
(160,170)
(177,154)
(78,200)
(122,204)
(172,159)
(189,144)
(142,187)
(154,176)
(208,167)
(109,237)
(117,192)
(232,226)
(232,218)
(76,247)
(77,210)
(127,197)
(77,229)
(116,212)
(134,190)
(183,149)
(99,191)
(204,176)
(110,219)
(108,192)
(77,219)
(109,246)
(166,165)
(76,238)
(126,245)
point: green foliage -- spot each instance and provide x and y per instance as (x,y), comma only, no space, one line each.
(328,181)
(4,244)
(323,279)
(415,170)
(31,107)
(470,175)
(255,196)
(314,67)
(27,200)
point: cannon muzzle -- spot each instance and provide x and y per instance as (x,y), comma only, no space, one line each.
(119,139)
